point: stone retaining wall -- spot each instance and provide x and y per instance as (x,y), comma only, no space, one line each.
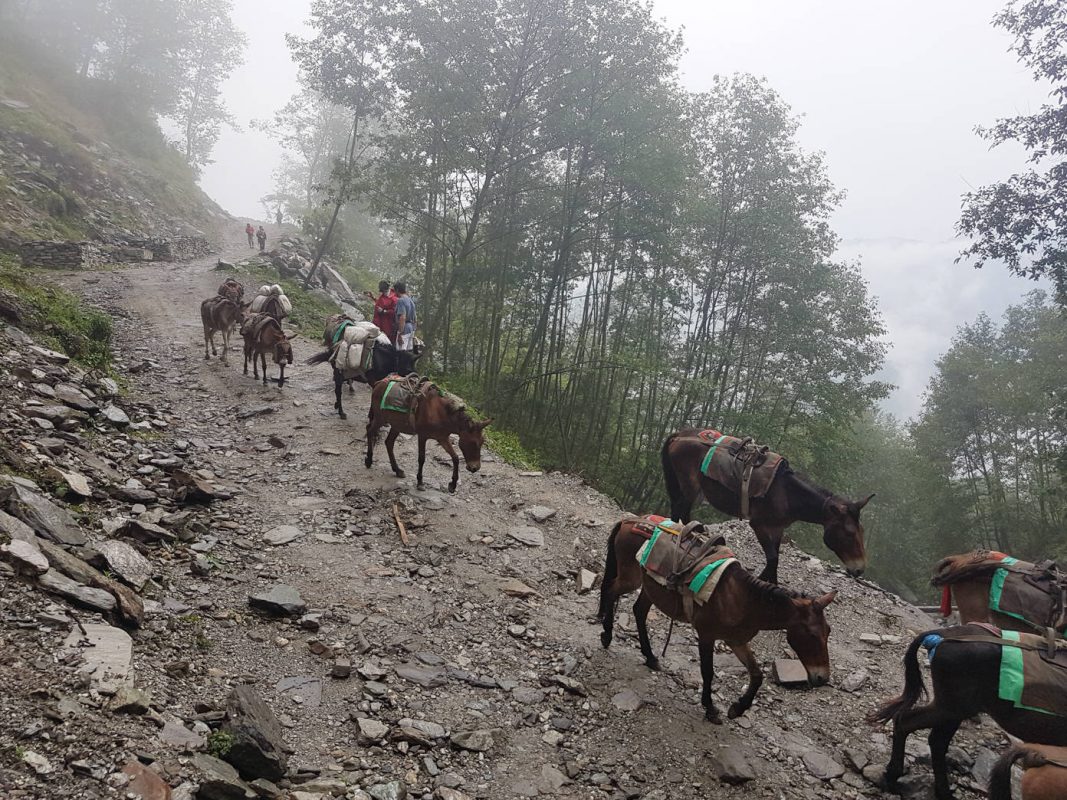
(86,255)
(62,255)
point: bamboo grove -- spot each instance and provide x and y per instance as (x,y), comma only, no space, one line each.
(601,257)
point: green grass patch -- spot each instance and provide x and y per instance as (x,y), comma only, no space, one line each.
(219,744)
(507,445)
(81,332)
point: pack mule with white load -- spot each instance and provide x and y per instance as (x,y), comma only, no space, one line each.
(272,300)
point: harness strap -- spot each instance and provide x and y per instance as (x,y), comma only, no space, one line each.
(746,478)
(341,329)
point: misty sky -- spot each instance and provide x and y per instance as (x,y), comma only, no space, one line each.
(891,92)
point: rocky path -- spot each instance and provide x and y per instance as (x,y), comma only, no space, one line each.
(464,665)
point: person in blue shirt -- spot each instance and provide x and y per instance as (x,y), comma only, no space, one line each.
(405,317)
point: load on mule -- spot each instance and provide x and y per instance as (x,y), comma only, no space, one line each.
(272,300)
(738,607)
(747,481)
(996,588)
(232,289)
(369,360)
(263,334)
(1044,773)
(414,405)
(976,669)
(218,315)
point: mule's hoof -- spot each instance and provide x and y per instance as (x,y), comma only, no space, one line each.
(343,415)
(400,473)
(367,462)
(452,488)
(735,710)
(652,663)
(605,639)
(713,716)
(351,389)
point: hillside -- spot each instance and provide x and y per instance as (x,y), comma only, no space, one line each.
(77,161)
(464,665)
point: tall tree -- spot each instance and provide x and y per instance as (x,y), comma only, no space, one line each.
(1022,221)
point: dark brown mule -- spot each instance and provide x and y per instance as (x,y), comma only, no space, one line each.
(263,334)
(966,679)
(741,606)
(231,289)
(436,416)
(273,307)
(789,499)
(219,315)
(1044,773)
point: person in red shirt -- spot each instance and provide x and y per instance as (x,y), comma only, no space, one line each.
(384,309)
(251,232)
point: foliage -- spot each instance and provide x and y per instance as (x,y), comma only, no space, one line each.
(1022,221)
(219,744)
(82,333)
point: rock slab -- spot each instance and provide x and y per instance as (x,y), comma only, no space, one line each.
(258,749)
(281,600)
(45,517)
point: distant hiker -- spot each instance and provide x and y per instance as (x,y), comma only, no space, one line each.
(405,317)
(251,233)
(278,217)
(384,309)
(261,235)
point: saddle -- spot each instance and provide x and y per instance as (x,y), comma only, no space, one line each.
(739,465)
(685,559)
(404,393)
(254,325)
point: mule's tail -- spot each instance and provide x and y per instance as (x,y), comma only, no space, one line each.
(670,477)
(914,688)
(1000,777)
(611,572)
(320,358)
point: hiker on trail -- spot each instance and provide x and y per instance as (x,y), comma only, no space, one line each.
(278,217)
(405,318)
(261,235)
(384,309)
(251,233)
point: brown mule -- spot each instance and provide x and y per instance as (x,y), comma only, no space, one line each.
(218,314)
(263,334)
(789,499)
(741,606)
(436,416)
(1044,773)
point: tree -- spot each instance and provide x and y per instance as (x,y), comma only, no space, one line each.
(212,49)
(1022,221)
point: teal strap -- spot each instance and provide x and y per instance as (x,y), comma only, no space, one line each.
(340,330)
(701,577)
(711,452)
(382,405)
(651,544)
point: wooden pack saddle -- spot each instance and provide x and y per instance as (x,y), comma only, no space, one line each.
(740,465)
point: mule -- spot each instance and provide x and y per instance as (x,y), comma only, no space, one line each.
(1044,773)
(218,315)
(741,606)
(385,360)
(966,681)
(789,499)
(232,289)
(263,334)
(435,416)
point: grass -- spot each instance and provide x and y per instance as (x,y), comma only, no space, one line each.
(81,332)
(507,445)
(219,744)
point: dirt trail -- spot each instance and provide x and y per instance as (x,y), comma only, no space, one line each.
(487,658)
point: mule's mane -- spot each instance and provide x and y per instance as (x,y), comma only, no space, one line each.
(772,589)
(808,483)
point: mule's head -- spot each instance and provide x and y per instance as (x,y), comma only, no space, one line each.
(283,351)
(808,632)
(471,439)
(843,532)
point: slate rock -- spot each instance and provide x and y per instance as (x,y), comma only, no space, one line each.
(551,780)
(281,600)
(822,766)
(480,740)
(732,765)
(445,793)
(126,562)
(371,729)
(70,395)
(428,678)
(218,780)
(540,514)
(48,355)
(144,783)
(527,535)
(130,700)
(570,685)
(106,652)
(56,414)
(16,529)
(25,556)
(176,735)
(258,750)
(144,532)
(115,415)
(627,700)
(95,599)
(394,790)
(282,534)
(130,605)
(76,483)
(528,696)
(855,681)
(789,672)
(585,580)
(983,765)
(42,515)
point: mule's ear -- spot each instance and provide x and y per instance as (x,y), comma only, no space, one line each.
(291,335)
(820,603)
(483,424)
(864,501)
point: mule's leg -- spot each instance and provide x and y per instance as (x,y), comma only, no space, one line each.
(281,375)
(908,722)
(422,459)
(755,679)
(770,540)
(940,738)
(225,343)
(338,379)
(641,608)
(246,350)
(707,677)
(446,443)
(206,338)
(393,433)
(372,436)
(263,358)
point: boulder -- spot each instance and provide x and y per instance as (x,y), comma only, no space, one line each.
(130,606)
(480,740)
(258,749)
(282,534)
(731,765)
(822,766)
(144,783)
(95,599)
(42,515)
(115,415)
(218,780)
(126,562)
(280,600)
(25,556)
(70,395)
(540,514)
(527,535)
(144,532)
(106,653)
